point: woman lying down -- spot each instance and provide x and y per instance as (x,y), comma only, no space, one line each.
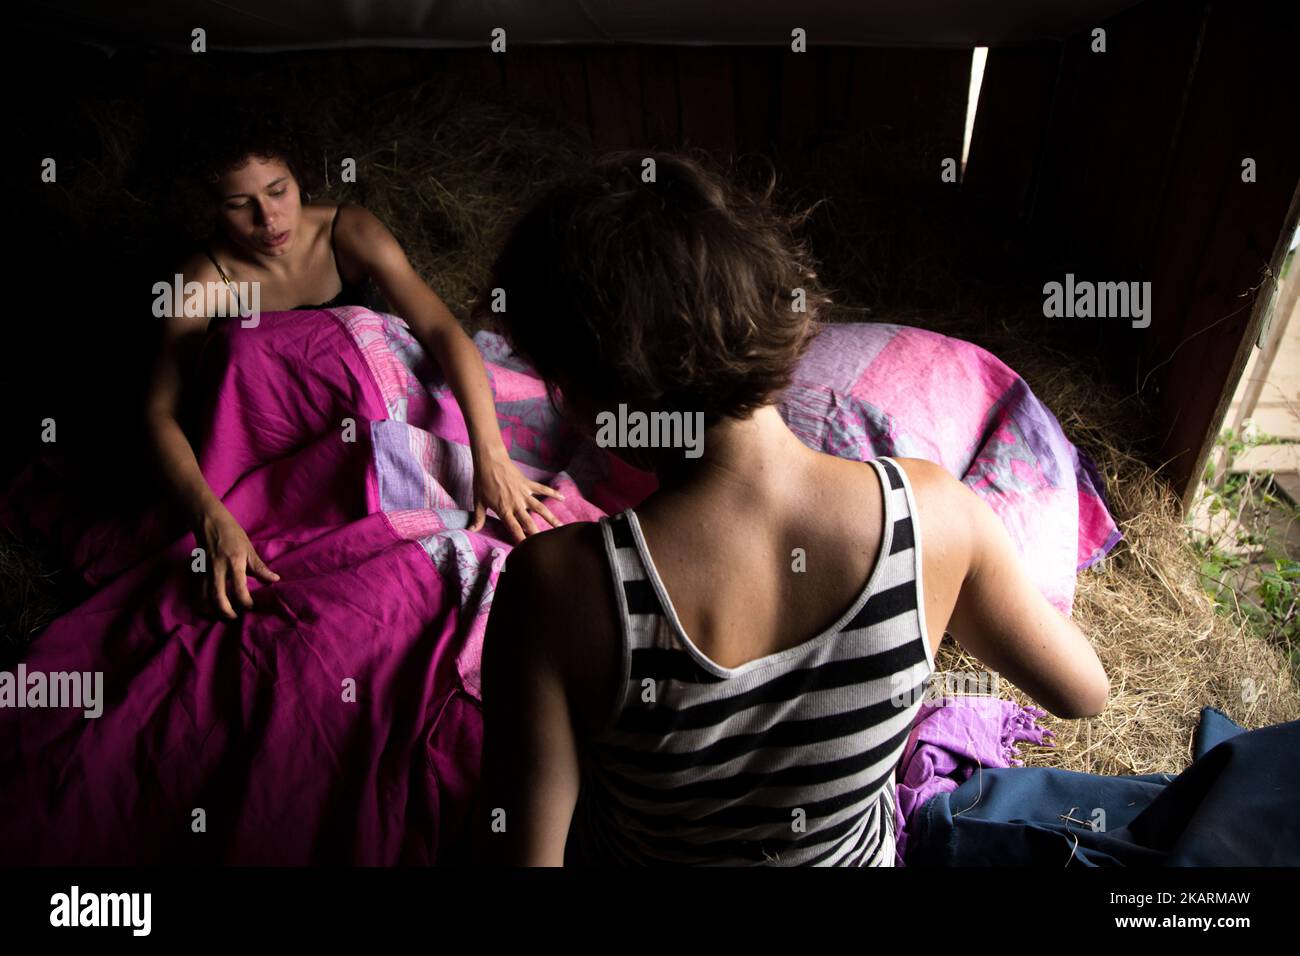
(728,673)
(243,197)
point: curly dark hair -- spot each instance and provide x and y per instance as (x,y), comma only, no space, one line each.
(676,294)
(226,133)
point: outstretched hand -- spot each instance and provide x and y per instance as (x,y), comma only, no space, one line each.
(231,560)
(501,486)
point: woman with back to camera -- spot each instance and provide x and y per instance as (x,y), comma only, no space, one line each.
(663,686)
(241,192)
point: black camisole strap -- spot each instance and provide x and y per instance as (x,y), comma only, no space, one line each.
(334,250)
(222,272)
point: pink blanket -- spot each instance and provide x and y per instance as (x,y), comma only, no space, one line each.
(339,721)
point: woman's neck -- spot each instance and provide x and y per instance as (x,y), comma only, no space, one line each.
(753,455)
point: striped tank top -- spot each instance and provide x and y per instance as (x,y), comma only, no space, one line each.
(787,759)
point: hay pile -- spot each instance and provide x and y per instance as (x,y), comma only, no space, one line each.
(1166,650)
(447,170)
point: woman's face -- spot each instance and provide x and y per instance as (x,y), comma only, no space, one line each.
(259,207)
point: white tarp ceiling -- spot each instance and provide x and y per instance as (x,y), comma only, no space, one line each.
(301,24)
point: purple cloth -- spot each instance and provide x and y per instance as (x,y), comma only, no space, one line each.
(951,740)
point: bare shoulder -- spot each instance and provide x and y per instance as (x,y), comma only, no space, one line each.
(199,293)
(938,493)
(927,476)
(559,569)
(562,590)
(364,240)
(357,224)
(197,267)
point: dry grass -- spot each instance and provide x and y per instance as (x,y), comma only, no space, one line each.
(447,172)
(33,592)
(1167,651)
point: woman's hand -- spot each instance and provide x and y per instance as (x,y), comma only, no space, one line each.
(370,248)
(501,486)
(231,559)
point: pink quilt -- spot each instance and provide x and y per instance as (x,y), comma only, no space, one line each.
(339,721)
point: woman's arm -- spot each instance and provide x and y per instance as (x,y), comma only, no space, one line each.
(531,776)
(977,583)
(231,556)
(498,483)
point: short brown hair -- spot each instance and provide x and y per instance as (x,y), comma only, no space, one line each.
(677,293)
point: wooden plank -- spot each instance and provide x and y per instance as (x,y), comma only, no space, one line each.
(798,98)
(1279,323)
(707,99)
(614,89)
(659,97)
(478,68)
(1105,164)
(833,87)
(923,105)
(552,77)
(532,76)
(757,72)
(1219,235)
(1011,128)
(571,73)
(869,88)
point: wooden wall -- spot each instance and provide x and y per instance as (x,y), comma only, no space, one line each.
(741,99)
(1126,165)
(1115,166)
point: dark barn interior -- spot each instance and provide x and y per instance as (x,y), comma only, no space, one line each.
(1122,164)
(1115,164)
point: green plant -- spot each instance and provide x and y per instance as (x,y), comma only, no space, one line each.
(1242,565)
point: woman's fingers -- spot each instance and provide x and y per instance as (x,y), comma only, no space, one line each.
(545,512)
(517,515)
(525,519)
(517,533)
(219,589)
(257,567)
(239,582)
(538,488)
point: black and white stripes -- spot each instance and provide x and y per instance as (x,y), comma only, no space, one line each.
(787,759)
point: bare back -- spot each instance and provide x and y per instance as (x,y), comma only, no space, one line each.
(749,577)
(726,549)
(752,581)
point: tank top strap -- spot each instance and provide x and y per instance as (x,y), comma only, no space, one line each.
(903,533)
(230,286)
(896,520)
(646,644)
(348,290)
